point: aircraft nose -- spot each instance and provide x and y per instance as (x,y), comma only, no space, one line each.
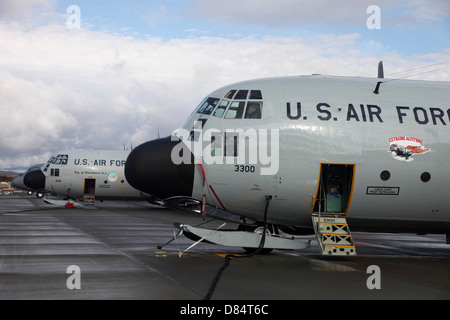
(34,180)
(18,182)
(14,181)
(150,169)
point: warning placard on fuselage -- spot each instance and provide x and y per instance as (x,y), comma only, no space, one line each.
(385,191)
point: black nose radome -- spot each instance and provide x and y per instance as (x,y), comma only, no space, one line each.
(34,180)
(150,169)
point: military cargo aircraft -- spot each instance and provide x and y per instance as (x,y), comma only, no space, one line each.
(77,174)
(18,182)
(308,155)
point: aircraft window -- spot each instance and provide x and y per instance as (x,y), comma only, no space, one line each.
(255,94)
(216,144)
(425,177)
(197,129)
(241,95)
(385,175)
(253,110)
(199,124)
(54,172)
(231,144)
(230,94)
(194,135)
(213,150)
(235,110)
(208,106)
(60,159)
(221,108)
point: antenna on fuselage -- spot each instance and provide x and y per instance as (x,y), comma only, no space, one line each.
(380,76)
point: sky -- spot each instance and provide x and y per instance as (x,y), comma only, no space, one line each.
(109,74)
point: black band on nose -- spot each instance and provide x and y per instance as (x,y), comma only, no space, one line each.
(150,169)
(34,180)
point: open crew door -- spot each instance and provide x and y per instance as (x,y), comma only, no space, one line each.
(335,188)
(89,186)
(89,191)
(331,205)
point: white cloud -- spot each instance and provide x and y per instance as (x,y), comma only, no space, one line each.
(18,10)
(286,12)
(28,13)
(428,10)
(63,89)
(320,12)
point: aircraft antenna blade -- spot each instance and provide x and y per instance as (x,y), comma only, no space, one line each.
(380,76)
(380,70)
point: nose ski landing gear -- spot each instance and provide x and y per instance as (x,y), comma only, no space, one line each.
(245,239)
(260,239)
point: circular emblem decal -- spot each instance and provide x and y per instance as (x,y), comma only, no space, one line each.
(112,177)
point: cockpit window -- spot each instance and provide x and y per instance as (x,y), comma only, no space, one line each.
(253,110)
(241,95)
(208,106)
(59,159)
(236,104)
(230,94)
(236,110)
(221,108)
(255,95)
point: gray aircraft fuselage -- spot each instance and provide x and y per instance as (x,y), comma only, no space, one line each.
(333,145)
(100,173)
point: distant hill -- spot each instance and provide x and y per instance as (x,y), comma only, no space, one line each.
(8,175)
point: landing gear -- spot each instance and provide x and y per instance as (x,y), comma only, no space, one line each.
(271,230)
(249,238)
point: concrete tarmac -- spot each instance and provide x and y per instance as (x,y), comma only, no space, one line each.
(110,251)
